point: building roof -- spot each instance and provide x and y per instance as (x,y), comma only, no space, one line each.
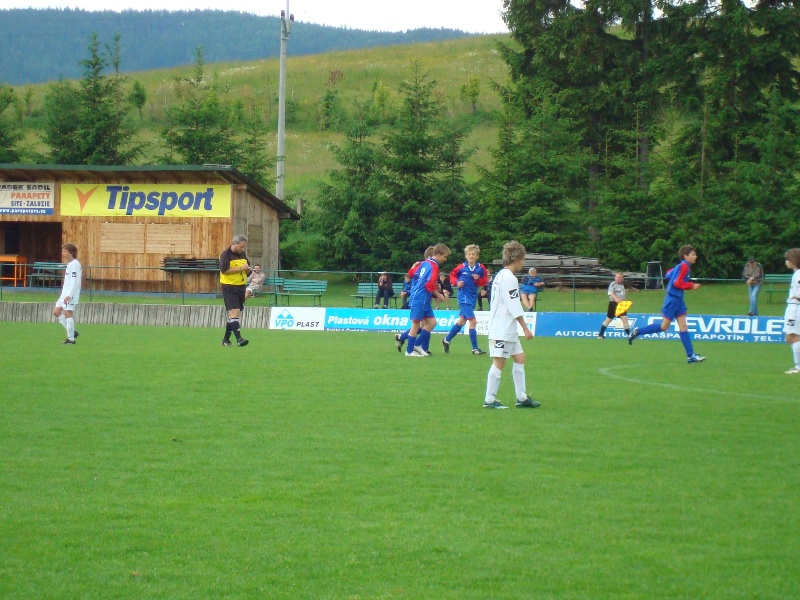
(159,174)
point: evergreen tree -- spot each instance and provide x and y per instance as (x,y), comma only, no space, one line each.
(138,97)
(9,132)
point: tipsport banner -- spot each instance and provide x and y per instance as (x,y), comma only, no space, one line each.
(21,198)
(718,328)
(145,200)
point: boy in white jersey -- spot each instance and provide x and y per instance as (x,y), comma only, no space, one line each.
(70,292)
(791,320)
(505,312)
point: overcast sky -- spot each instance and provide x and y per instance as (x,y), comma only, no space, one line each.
(479,16)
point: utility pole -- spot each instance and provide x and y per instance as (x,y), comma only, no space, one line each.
(285,28)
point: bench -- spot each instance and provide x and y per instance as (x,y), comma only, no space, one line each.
(46,273)
(173,264)
(777,278)
(276,283)
(370,290)
(312,288)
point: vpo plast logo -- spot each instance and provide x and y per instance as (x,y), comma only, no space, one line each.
(285,320)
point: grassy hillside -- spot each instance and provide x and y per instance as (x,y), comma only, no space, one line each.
(255,83)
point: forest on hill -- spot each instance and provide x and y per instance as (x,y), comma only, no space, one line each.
(44,44)
(615,133)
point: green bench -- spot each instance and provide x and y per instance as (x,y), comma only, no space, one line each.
(370,290)
(46,274)
(776,279)
(312,288)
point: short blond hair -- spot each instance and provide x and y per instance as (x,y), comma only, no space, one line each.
(512,252)
(472,248)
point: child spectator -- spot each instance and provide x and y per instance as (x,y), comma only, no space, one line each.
(406,291)
(531,284)
(486,292)
(445,289)
(505,313)
(467,277)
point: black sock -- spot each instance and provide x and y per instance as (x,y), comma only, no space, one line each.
(227,337)
(628,331)
(235,328)
(602,329)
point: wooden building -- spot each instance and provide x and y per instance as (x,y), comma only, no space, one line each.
(127,222)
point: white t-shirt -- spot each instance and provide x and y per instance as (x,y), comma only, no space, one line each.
(794,288)
(505,307)
(618,289)
(72,282)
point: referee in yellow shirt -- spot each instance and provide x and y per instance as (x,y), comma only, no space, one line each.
(233,269)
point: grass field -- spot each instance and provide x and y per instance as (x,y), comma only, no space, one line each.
(152,463)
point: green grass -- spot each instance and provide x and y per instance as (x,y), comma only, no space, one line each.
(152,463)
(718,298)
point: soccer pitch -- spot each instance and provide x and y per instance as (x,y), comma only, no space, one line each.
(149,462)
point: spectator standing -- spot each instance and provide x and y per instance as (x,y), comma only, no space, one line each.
(753,274)
(70,292)
(233,268)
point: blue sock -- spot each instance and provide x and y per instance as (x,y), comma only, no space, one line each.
(412,341)
(652,328)
(686,340)
(404,335)
(473,337)
(453,332)
(424,339)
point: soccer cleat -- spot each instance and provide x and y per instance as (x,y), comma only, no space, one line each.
(226,343)
(420,352)
(600,336)
(68,341)
(398,342)
(528,403)
(792,371)
(413,354)
(242,342)
(76,334)
(478,352)
(494,404)
(634,334)
(695,358)
(446,346)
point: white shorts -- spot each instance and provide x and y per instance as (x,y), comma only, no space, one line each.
(60,303)
(791,323)
(504,349)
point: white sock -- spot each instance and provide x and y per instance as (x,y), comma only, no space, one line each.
(492,383)
(796,352)
(63,320)
(518,372)
(71,328)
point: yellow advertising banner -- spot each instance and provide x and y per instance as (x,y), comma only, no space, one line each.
(145,200)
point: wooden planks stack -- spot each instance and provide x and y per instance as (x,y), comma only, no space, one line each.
(580,271)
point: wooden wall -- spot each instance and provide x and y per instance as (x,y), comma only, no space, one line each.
(125,253)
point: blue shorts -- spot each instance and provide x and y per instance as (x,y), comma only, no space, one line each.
(673,307)
(419,313)
(528,289)
(467,311)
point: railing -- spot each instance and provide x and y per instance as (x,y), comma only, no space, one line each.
(193,284)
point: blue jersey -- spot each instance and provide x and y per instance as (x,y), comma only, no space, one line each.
(425,283)
(529,284)
(468,293)
(678,280)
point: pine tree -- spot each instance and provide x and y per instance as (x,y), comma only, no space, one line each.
(9,132)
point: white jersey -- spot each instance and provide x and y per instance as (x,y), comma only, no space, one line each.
(505,307)
(794,288)
(72,282)
(618,289)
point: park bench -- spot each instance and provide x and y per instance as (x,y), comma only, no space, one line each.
(311,288)
(46,274)
(271,286)
(776,279)
(370,290)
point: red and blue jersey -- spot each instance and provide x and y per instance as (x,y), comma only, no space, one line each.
(468,293)
(678,280)
(424,282)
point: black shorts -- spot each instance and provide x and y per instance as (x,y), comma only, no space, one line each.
(233,296)
(612,310)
